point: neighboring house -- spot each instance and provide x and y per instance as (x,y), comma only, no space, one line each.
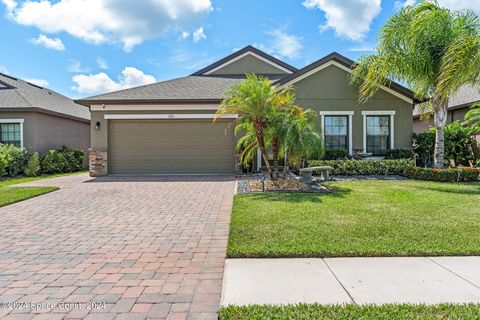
(40,119)
(458,106)
(167,127)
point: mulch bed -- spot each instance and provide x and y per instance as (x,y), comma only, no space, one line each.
(280,185)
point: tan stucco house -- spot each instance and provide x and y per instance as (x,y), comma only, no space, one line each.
(40,119)
(166,127)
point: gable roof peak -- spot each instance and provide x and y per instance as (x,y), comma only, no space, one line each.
(239,53)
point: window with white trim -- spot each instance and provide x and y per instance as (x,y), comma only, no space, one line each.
(378,134)
(336,132)
(11,133)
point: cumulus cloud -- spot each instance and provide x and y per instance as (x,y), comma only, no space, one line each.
(3,70)
(198,35)
(103,21)
(50,43)
(349,18)
(366,48)
(185,34)
(101,82)
(38,82)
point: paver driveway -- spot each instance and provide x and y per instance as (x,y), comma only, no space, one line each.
(148,247)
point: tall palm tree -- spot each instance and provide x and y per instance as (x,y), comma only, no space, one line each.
(433,50)
(254,100)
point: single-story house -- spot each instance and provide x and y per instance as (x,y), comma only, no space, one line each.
(40,119)
(458,106)
(166,127)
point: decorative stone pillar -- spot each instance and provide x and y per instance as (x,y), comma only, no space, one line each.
(97,162)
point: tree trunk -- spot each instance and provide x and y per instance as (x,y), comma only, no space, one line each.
(275,152)
(285,163)
(440,121)
(261,146)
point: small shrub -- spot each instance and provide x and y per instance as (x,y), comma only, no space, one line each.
(33,165)
(444,175)
(393,154)
(339,154)
(365,167)
(13,160)
(62,161)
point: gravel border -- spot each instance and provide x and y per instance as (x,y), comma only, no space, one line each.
(243,187)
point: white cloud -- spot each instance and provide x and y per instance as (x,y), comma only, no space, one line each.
(102,63)
(104,21)
(50,43)
(400,4)
(185,34)
(38,82)
(190,60)
(75,66)
(198,35)
(349,18)
(101,82)
(281,44)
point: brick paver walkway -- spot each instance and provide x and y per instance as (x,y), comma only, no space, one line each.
(144,247)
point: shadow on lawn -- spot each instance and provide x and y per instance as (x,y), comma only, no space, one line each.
(453,188)
(335,192)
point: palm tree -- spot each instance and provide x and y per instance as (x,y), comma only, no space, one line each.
(472,119)
(433,50)
(254,100)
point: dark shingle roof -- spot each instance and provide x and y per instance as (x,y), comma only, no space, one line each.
(18,94)
(191,88)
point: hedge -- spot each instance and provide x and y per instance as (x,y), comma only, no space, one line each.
(16,161)
(365,167)
(444,175)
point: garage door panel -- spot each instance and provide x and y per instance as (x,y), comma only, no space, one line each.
(164,146)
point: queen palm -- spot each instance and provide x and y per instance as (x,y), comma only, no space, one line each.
(254,100)
(433,50)
(472,119)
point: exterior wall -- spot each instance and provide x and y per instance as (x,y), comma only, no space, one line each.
(330,90)
(420,125)
(42,132)
(248,64)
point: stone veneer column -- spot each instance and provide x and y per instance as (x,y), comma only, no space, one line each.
(97,162)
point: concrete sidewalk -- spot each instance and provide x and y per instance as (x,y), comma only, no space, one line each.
(428,280)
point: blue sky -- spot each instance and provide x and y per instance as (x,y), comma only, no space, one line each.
(85,47)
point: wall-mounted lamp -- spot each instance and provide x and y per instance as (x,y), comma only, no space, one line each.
(97,125)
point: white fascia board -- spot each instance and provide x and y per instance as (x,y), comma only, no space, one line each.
(244,55)
(150,107)
(347,69)
(12,120)
(166,116)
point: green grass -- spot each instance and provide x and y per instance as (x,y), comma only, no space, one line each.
(370,312)
(359,218)
(9,195)
(11,181)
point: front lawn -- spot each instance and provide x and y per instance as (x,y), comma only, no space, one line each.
(359,218)
(11,181)
(351,311)
(9,195)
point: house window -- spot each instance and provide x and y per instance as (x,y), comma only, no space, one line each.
(378,134)
(11,133)
(336,132)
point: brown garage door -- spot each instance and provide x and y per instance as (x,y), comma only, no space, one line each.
(170,146)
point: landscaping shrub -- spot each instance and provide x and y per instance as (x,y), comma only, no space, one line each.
(365,167)
(12,160)
(339,154)
(444,175)
(62,160)
(459,145)
(393,154)
(33,165)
